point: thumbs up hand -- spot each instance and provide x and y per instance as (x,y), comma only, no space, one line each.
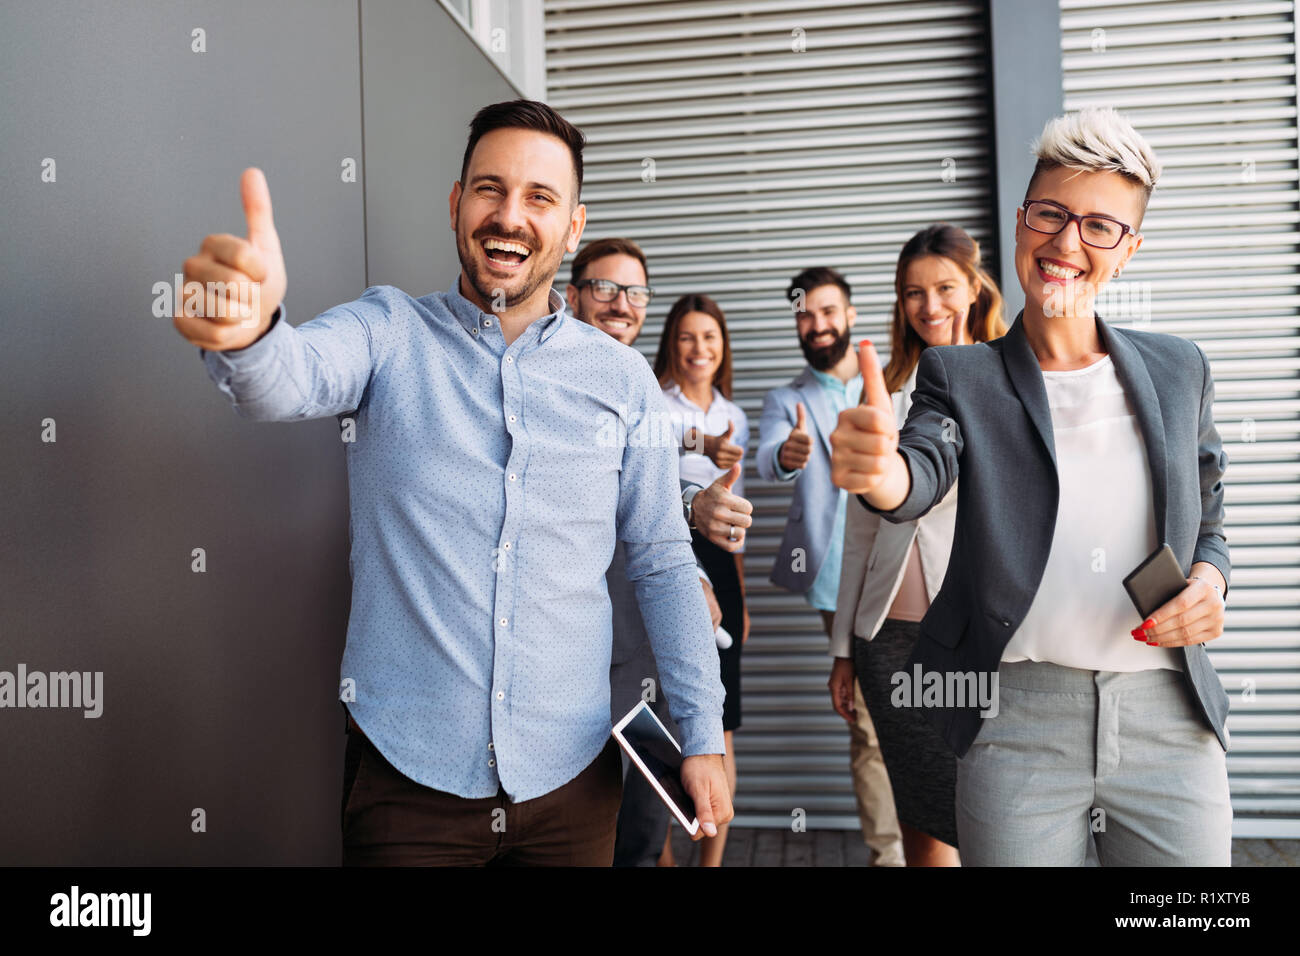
(720,449)
(247,278)
(721,515)
(864,445)
(797,449)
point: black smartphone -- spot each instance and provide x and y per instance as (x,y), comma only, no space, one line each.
(1155,581)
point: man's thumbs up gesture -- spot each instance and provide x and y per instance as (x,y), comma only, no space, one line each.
(243,280)
(797,449)
(864,445)
(721,515)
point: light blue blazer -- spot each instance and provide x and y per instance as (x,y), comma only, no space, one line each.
(811,518)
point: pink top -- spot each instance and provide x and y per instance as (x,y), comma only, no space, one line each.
(911,603)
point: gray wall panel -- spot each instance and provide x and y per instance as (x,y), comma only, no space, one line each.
(1025,61)
(220,688)
(424,81)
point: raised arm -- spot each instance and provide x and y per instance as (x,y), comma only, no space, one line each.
(320,368)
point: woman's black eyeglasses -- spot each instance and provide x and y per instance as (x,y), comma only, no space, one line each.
(603,290)
(1049,218)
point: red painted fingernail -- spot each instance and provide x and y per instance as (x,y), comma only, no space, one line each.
(1153,644)
(1148,623)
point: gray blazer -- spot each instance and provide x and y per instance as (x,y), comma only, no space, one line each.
(993,399)
(811,518)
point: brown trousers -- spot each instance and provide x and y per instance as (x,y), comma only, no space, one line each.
(876,811)
(390,820)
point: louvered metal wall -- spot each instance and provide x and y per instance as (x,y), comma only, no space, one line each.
(1213,88)
(737,159)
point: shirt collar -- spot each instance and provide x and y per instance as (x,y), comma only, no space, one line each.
(470,317)
(675,391)
(830,381)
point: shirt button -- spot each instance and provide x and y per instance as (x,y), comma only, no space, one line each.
(1006,623)
(513,477)
(501,695)
(510,359)
(492,763)
(491,746)
(506,546)
(487,323)
(511,418)
(502,622)
(473,331)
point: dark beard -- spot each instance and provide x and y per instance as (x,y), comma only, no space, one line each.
(828,356)
(486,286)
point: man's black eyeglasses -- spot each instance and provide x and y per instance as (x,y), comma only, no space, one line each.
(1049,218)
(603,290)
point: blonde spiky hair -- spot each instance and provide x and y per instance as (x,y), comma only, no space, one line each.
(1097,139)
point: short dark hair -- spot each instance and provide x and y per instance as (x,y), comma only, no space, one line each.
(598,249)
(525,114)
(815,278)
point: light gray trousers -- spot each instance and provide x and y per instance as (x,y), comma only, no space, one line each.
(1123,756)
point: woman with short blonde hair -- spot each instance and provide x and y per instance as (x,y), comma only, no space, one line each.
(1083,448)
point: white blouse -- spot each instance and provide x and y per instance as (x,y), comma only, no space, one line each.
(1081,615)
(686,415)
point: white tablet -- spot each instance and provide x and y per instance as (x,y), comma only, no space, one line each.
(659,758)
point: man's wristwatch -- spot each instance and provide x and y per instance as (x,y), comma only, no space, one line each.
(688,501)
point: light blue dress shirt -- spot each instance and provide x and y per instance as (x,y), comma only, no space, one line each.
(825,589)
(487,486)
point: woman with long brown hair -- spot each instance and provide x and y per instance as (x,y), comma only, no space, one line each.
(891,572)
(693,366)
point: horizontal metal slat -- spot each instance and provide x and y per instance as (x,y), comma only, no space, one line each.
(573,34)
(1090,14)
(1181,54)
(881,44)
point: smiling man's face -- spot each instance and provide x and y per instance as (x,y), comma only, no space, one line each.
(619,318)
(515,215)
(823,326)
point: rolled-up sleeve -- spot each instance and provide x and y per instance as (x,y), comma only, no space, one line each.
(1212,460)
(662,569)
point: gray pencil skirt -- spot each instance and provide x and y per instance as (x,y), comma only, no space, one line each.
(922,768)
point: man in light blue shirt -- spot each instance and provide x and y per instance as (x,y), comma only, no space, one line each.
(486,497)
(794,446)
